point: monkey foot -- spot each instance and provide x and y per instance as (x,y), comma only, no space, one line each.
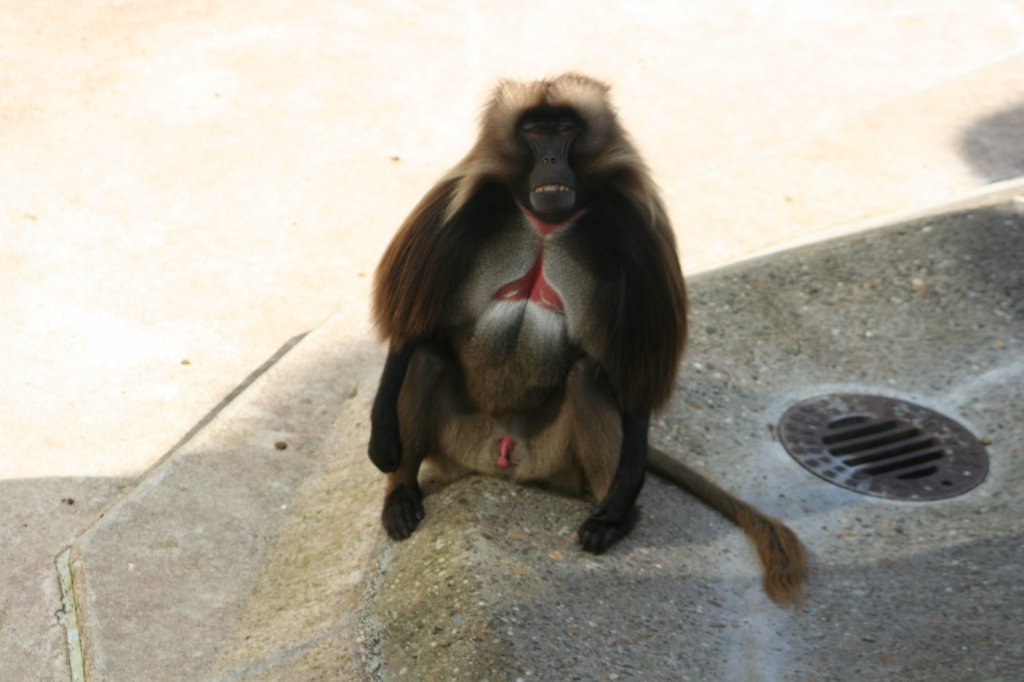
(599,532)
(403,511)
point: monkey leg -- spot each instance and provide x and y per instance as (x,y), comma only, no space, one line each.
(385,447)
(611,448)
(417,412)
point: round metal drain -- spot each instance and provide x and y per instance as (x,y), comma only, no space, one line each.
(883,447)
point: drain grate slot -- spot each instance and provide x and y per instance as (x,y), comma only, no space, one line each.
(921,473)
(853,434)
(874,441)
(888,451)
(847,421)
(883,446)
(904,463)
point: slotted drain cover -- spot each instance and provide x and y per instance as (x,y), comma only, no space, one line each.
(883,447)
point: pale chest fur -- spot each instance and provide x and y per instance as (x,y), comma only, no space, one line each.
(519,314)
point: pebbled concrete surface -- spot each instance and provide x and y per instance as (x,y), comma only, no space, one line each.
(238,560)
(492,587)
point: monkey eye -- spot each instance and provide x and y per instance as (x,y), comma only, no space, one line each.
(535,131)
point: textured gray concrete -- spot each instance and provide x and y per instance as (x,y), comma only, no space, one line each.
(236,559)
(492,587)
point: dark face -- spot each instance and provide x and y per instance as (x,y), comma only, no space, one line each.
(550,191)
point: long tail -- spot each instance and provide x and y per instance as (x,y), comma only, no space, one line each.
(782,554)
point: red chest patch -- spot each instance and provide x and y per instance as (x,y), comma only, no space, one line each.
(533,286)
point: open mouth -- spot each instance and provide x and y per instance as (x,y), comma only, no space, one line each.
(552,188)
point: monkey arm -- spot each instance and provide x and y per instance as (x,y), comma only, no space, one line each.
(418,274)
(385,447)
(639,300)
(616,513)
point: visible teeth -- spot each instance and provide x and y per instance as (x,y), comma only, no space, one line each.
(553,188)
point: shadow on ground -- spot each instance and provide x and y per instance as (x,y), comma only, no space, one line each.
(994,145)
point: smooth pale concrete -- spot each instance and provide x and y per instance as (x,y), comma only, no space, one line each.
(916,151)
(185,187)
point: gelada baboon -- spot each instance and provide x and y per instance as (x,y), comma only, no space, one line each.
(536,315)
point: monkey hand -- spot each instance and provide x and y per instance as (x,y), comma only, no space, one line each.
(602,530)
(385,447)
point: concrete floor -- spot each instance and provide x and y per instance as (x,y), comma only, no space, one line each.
(255,551)
(186,187)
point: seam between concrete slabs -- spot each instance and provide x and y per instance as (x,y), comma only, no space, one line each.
(69,617)
(69,620)
(192,432)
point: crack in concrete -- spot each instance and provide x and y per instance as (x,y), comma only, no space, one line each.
(266,665)
(68,616)
(370,635)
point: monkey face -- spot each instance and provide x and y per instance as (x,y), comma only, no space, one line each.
(550,188)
